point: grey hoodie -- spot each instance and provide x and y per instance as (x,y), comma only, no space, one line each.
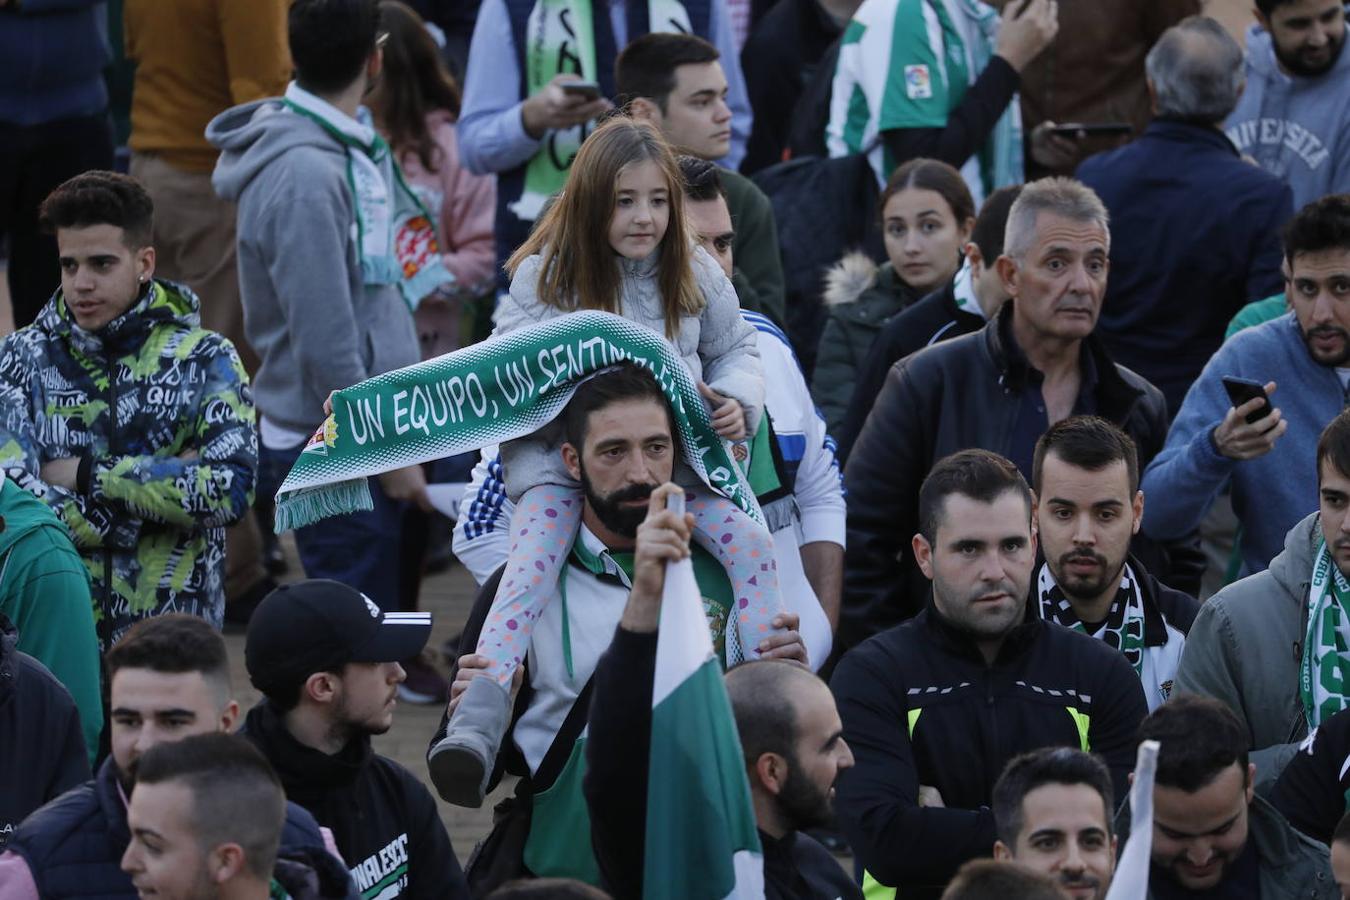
(1296,128)
(1245,649)
(315,325)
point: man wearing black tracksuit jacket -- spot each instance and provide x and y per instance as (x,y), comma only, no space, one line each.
(934,708)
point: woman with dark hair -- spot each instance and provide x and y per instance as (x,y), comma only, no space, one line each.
(927,214)
(415,104)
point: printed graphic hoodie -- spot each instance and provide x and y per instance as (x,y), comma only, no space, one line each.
(1296,128)
(159,412)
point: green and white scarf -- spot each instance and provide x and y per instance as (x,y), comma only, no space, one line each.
(908,64)
(396,237)
(504,388)
(1324,675)
(560,37)
(1124,626)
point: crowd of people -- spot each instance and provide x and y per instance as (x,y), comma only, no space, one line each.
(984,366)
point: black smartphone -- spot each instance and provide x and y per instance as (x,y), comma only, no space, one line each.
(1240,390)
(1094,129)
(588,89)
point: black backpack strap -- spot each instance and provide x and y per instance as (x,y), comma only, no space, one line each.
(561,748)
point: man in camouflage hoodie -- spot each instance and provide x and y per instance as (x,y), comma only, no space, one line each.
(133,423)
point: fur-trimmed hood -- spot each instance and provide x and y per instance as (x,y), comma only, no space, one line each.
(849,279)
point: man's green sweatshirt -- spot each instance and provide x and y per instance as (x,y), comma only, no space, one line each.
(44,590)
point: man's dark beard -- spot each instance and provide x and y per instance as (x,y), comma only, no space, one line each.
(1337,360)
(1294,63)
(1089,590)
(802,804)
(623,520)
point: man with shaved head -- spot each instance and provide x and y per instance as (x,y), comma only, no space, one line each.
(790,732)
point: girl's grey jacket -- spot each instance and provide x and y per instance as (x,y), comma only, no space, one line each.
(718,346)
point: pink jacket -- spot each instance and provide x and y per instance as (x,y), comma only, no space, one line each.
(463,203)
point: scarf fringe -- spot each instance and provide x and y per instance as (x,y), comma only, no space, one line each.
(296,509)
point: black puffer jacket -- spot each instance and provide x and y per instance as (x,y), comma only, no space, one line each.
(952,396)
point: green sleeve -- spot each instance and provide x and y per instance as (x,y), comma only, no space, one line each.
(758,277)
(1255,313)
(45,594)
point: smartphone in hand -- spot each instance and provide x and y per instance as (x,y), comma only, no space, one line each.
(588,90)
(1240,390)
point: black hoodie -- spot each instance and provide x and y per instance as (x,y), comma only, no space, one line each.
(383,820)
(42,753)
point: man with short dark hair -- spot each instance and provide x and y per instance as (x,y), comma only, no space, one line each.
(934,708)
(1053,809)
(205,819)
(1088,509)
(327,269)
(1000,388)
(984,879)
(1213,836)
(1306,353)
(325,657)
(808,520)
(117,410)
(1294,116)
(1238,649)
(168,679)
(621,444)
(676,82)
(787,722)
(964,304)
(521,121)
(1212,237)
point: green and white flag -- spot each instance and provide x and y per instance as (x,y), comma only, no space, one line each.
(1130,881)
(702,840)
(504,388)
(908,64)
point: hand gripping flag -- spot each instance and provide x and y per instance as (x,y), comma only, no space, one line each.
(702,840)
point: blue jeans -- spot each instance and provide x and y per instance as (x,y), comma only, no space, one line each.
(359,549)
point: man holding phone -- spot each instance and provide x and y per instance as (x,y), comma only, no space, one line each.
(1307,353)
(540,73)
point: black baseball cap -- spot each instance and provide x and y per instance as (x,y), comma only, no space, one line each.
(301,628)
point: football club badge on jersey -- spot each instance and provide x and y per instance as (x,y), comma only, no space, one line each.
(918,84)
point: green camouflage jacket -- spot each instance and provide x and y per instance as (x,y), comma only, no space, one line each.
(159,412)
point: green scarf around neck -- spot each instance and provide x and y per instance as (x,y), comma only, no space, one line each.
(396,236)
(1324,673)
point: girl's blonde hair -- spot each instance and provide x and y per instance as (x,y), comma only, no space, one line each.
(578,269)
